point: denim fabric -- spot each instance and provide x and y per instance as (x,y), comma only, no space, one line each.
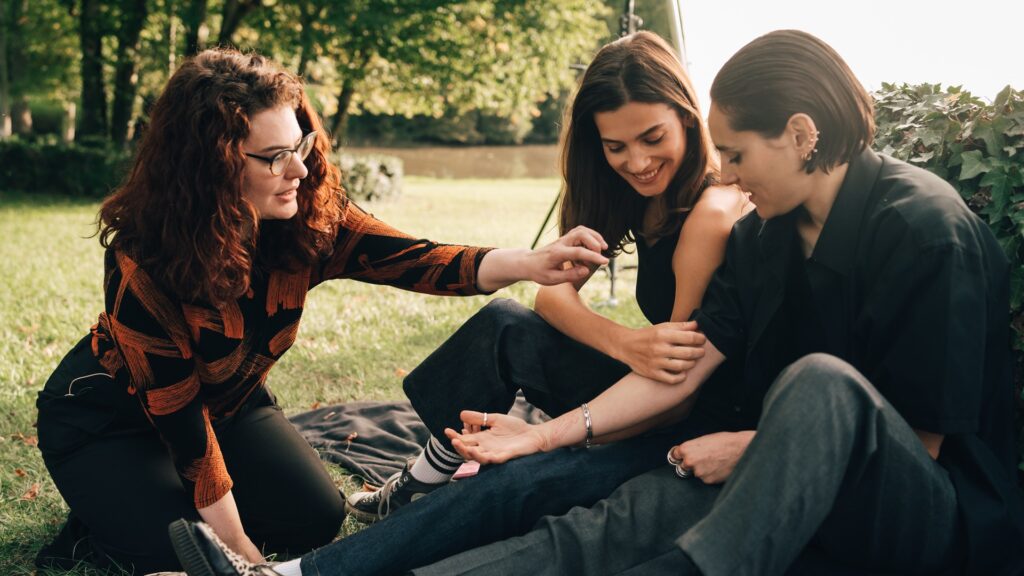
(500,502)
(503,348)
(832,465)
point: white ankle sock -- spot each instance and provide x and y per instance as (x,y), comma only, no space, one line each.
(289,568)
(435,464)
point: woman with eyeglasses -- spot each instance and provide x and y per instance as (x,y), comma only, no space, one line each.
(231,213)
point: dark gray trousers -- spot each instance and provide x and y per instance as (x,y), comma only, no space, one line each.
(832,464)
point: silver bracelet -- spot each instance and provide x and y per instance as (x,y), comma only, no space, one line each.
(586,421)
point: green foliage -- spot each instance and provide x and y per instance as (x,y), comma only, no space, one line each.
(373,177)
(979,149)
(90,169)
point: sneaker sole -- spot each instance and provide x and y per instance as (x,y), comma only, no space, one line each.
(187,550)
(362,516)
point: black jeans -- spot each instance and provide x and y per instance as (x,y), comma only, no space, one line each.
(504,348)
(832,465)
(117,476)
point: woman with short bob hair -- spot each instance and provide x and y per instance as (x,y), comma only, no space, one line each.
(230,214)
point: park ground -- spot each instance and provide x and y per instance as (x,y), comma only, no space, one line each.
(356,342)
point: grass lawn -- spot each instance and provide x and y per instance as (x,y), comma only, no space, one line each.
(356,340)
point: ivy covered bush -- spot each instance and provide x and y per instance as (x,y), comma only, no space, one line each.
(978,147)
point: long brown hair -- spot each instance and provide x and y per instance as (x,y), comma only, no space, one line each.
(637,68)
(180,212)
(786,72)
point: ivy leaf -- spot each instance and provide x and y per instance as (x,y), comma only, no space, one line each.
(974,164)
(998,183)
(924,157)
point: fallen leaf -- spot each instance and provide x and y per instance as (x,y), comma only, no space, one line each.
(19,473)
(31,493)
(401,373)
(315,405)
(31,440)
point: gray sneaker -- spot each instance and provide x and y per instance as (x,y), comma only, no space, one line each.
(400,489)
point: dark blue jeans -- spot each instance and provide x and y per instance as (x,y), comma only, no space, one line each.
(502,349)
(500,502)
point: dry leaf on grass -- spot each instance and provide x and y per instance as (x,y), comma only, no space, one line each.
(31,493)
(19,473)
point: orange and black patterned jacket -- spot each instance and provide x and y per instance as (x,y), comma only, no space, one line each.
(190,365)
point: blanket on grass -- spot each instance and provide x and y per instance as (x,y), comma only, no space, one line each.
(373,439)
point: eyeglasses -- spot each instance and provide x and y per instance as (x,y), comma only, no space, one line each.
(279,162)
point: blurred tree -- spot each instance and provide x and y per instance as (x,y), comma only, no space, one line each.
(435,57)
(5,83)
(94,94)
(133,18)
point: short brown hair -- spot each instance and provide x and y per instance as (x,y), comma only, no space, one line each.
(181,214)
(638,68)
(787,72)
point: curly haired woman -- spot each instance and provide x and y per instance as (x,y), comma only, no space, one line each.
(231,213)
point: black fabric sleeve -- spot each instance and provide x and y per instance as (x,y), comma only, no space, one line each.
(720,315)
(927,333)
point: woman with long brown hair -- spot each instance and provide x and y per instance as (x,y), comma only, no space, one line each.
(231,213)
(639,168)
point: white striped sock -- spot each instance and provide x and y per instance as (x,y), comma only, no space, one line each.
(435,464)
(289,568)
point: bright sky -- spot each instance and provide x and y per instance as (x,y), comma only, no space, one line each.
(975,43)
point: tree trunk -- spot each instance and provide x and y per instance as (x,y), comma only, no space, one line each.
(311,12)
(94,98)
(340,124)
(172,37)
(234,12)
(21,115)
(133,18)
(196,31)
(5,81)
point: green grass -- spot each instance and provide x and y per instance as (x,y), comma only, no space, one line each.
(355,343)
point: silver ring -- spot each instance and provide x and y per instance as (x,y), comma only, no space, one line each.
(485,419)
(672,460)
(684,473)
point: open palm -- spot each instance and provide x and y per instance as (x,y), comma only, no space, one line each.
(504,439)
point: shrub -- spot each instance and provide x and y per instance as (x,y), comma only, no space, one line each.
(372,177)
(979,149)
(50,166)
(93,168)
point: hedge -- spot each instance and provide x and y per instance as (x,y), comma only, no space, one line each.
(979,148)
(94,169)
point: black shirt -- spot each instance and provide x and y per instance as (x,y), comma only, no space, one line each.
(655,279)
(910,288)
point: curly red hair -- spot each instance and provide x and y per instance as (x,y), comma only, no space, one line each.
(180,212)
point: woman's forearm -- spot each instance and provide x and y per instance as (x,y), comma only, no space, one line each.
(628,404)
(223,517)
(500,268)
(562,307)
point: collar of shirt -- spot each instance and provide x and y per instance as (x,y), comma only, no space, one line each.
(837,244)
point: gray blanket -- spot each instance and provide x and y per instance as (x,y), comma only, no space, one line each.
(373,439)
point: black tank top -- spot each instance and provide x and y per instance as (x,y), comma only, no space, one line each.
(655,281)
